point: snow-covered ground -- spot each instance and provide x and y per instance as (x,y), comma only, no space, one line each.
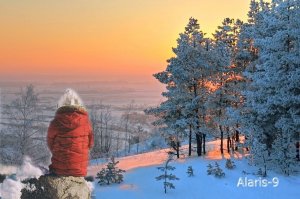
(139,180)
(141,170)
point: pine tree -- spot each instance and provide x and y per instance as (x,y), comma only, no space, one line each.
(245,60)
(210,169)
(260,173)
(218,172)
(190,171)
(225,39)
(110,174)
(273,102)
(259,154)
(229,164)
(186,77)
(284,154)
(166,176)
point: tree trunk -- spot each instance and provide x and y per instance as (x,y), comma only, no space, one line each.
(222,135)
(190,141)
(265,167)
(177,148)
(165,179)
(246,138)
(198,133)
(101,132)
(204,146)
(228,143)
(199,143)
(237,138)
(298,150)
(129,142)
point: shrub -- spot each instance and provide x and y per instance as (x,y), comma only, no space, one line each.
(190,171)
(229,164)
(111,174)
(218,171)
(210,169)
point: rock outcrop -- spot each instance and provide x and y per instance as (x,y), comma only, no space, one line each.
(56,187)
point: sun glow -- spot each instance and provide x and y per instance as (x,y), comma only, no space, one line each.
(100,37)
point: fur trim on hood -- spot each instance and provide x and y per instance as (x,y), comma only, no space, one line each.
(70,98)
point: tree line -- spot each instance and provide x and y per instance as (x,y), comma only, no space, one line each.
(243,82)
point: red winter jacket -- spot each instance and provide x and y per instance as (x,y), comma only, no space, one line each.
(69,139)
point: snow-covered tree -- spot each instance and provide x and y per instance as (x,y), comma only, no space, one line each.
(225,42)
(26,133)
(284,154)
(167,177)
(190,171)
(170,119)
(229,164)
(218,172)
(101,120)
(126,122)
(186,78)
(210,169)
(273,97)
(111,174)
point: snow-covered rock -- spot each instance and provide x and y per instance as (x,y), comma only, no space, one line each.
(56,187)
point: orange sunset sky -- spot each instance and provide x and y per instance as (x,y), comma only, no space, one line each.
(100,38)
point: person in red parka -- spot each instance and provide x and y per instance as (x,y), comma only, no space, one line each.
(70,137)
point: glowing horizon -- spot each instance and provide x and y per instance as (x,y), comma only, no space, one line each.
(120,37)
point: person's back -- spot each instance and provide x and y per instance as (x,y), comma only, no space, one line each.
(70,137)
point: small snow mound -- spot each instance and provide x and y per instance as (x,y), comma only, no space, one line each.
(27,170)
(11,188)
(90,186)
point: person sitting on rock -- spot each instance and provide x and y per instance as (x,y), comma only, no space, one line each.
(70,137)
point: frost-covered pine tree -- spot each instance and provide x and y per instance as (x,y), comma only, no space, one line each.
(110,174)
(229,164)
(167,177)
(219,98)
(190,171)
(284,154)
(185,77)
(171,121)
(192,66)
(245,58)
(218,172)
(273,97)
(210,169)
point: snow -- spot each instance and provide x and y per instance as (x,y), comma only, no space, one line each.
(8,169)
(28,170)
(139,182)
(90,186)
(11,188)
(158,157)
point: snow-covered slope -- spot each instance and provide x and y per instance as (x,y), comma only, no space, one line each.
(139,180)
